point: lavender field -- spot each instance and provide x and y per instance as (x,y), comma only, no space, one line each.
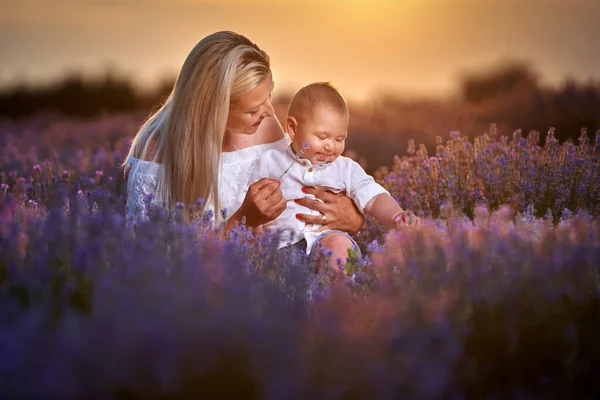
(495,295)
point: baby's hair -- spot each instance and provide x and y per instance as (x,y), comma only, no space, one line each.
(317,94)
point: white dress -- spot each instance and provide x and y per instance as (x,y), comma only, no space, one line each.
(236,167)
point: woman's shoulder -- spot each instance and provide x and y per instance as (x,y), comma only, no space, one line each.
(135,166)
(147,163)
(151,152)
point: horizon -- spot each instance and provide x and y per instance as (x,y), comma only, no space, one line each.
(410,47)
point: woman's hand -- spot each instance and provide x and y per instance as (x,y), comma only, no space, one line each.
(337,210)
(263,203)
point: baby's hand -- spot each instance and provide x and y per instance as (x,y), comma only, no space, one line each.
(406,218)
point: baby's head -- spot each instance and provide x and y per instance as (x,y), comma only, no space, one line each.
(318,114)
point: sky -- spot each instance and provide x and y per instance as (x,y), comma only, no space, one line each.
(367,47)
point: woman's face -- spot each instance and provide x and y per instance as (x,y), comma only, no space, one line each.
(246,114)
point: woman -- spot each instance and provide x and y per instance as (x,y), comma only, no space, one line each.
(204,140)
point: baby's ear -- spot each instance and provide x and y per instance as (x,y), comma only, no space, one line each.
(290,126)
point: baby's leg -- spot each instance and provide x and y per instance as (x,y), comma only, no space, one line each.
(338,244)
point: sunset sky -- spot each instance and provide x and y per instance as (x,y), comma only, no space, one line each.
(365,46)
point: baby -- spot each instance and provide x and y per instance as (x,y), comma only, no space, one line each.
(317,122)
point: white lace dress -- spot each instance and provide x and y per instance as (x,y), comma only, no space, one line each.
(236,167)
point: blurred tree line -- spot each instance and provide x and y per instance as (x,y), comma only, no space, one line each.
(81,96)
(508,97)
(510,94)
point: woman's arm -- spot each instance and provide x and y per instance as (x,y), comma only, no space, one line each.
(262,203)
(339,210)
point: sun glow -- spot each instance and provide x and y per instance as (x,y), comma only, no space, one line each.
(378,15)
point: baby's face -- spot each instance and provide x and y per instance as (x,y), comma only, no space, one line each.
(325,130)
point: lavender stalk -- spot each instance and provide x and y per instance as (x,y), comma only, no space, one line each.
(305,146)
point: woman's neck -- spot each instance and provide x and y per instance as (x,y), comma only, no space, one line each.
(237,141)
(269,131)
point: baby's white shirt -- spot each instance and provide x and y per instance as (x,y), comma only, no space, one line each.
(342,174)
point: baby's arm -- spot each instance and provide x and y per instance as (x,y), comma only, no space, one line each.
(384,209)
(379,203)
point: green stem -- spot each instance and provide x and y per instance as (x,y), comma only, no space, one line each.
(288,168)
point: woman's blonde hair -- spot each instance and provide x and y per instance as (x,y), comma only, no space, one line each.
(186,133)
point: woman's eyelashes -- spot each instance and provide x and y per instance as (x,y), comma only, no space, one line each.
(256,110)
